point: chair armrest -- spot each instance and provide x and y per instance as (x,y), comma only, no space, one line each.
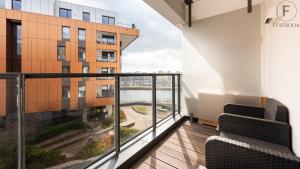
(266,130)
(230,154)
(244,110)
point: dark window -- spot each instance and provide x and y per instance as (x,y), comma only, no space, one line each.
(105,91)
(108,39)
(66,33)
(16,4)
(81,54)
(105,56)
(81,34)
(66,69)
(108,20)
(66,13)
(109,55)
(86,16)
(61,53)
(66,92)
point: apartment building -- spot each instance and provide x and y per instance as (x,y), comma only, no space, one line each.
(47,36)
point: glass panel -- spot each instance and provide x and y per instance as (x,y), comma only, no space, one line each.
(176,94)
(66,123)
(81,54)
(61,52)
(16,5)
(135,105)
(81,34)
(66,33)
(8,124)
(86,16)
(111,21)
(105,20)
(66,13)
(163,97)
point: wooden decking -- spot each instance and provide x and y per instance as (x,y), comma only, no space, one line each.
(184,148)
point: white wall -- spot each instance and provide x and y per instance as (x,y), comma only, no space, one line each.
(38,6)
(221,63)
(281,66)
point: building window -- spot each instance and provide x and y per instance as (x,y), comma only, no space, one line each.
(85,69)
(81,54)
(66,13)
(16,4)
(105,91)
(106,39)
(61,53)
(66,92)
(105,56)
(108,20)
(66,69)
(81,34)
(81,91)
(104,71)
(66,33)
(86,16)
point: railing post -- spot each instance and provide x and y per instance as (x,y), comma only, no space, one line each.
(20,107)
(173,95)
(154,101)
(179,93)
(117,114)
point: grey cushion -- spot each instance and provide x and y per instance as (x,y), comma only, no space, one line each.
(256,142)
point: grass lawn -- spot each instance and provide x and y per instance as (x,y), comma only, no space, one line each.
(141,109)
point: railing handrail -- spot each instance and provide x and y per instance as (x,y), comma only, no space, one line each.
(78,75)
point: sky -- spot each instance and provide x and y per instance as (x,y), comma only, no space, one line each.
(158,47)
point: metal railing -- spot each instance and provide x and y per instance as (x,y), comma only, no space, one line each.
(22,77)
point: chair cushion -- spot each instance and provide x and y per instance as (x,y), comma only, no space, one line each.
(256,142)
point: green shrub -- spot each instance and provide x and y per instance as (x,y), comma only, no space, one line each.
(141,109)
(37,158)
(122,116)
(96,148)
(107,122)
(51,131)
(126,133)
(110,121)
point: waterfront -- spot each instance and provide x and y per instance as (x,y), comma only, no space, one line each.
(144,96)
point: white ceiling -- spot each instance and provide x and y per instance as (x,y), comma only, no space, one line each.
(200,9)
(207,8)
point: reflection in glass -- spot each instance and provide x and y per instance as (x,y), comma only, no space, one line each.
(164,97)
(135,105)
(74,130)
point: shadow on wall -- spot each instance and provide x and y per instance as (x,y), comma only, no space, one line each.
(221,63)
(210,106)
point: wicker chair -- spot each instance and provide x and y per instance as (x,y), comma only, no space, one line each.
(249,142)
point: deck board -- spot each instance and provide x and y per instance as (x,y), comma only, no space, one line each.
(184,148)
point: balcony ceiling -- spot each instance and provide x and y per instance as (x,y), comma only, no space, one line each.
(200,9)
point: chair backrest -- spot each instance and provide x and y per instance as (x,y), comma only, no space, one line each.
(282,114)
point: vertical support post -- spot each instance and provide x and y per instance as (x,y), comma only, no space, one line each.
(154,101)
(173,95)
(249,6)
(20,107)
(179,93)
(117,114)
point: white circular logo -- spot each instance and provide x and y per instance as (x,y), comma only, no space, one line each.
(286,11)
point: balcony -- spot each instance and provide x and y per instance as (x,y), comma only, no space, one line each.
(43,119)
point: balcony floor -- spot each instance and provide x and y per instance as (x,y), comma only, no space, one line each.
(183,148)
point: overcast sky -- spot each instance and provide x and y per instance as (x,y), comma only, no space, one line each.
(157,48)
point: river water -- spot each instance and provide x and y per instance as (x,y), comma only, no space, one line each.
(130,96)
